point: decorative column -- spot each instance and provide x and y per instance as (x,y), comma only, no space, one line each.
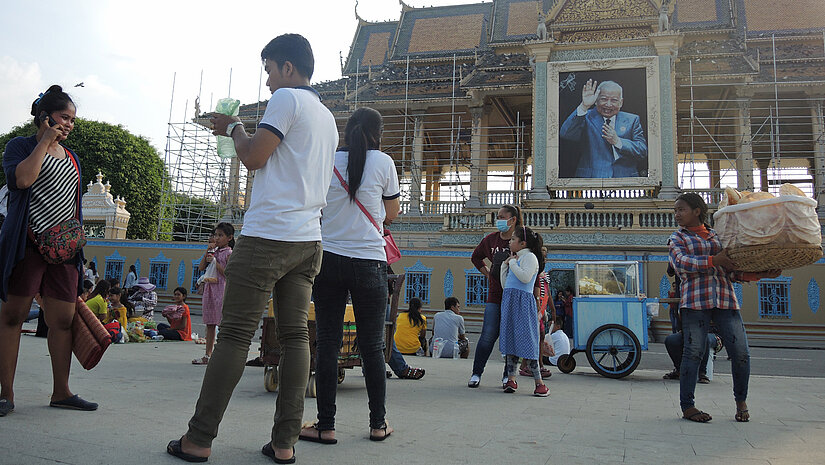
(417,164)
(818,126)
(667,47)
(763,173)
(539,51)
(478,157)
(744,147)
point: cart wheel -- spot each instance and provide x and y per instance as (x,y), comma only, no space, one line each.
(341,375)
(613,351)
(566,363)
(271,378)
(311,386)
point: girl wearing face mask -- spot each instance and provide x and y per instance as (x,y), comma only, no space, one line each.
(494,249)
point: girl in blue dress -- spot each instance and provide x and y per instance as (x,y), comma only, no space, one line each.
(519,336)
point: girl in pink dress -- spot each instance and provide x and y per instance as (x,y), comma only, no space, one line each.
(224,238)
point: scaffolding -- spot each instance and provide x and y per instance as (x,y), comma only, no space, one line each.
(201,188)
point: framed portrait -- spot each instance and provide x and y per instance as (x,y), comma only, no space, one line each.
(603,123)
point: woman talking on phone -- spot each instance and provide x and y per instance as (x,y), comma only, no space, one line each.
(44,184)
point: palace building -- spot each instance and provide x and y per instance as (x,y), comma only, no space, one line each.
(476,100)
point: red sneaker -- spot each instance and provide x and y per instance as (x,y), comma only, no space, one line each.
(542,391)
(511,386)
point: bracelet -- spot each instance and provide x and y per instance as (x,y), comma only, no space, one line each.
(232,127)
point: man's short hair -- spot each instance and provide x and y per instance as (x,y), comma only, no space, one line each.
(610,85)
(293,48)
(449,302)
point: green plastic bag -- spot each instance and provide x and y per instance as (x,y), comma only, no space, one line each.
(227,106)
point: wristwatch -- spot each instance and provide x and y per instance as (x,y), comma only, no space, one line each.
(231,127)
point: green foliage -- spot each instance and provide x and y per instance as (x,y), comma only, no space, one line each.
(128,162)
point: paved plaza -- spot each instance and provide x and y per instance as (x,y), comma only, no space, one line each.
(147,393)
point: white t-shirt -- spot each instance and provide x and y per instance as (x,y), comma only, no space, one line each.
(346,229)
(290,190)
(560,343)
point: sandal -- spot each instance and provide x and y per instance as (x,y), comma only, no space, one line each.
(742,416)
(694,414)
(525,372)
(703,379)
(387,432)
(672,375)
(545,373)
(270,452)
(6,407)
(316,435)
(412,373)
(201,361)
(174,448)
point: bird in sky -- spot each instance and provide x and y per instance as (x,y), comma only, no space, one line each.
(79,84)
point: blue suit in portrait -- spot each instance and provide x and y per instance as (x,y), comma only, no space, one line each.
(596,155)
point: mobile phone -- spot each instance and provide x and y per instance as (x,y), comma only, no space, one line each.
(45,116)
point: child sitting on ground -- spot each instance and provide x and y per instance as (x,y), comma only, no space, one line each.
(180,322)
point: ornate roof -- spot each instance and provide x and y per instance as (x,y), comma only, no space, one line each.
(701,14)
(371,45)
(442,31)
(516,20)
(763,16)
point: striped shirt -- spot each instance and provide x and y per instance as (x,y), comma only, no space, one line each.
(704,286)
(53,194)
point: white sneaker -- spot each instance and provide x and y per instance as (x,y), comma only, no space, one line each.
(475,380)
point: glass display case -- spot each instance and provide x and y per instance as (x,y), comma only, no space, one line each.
(607,279)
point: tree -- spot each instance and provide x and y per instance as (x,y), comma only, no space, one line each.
(131,165)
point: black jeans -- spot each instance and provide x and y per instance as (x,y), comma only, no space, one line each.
(168,333)
(366,283)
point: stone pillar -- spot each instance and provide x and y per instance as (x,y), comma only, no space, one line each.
(416,168)
(818,126)
(478,157)
(539,52)
(713,172)
(667,47)
(763,173)
(744,148)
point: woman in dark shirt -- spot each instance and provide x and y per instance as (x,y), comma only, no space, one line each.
(44,190)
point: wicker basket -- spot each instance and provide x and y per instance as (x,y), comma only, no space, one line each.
(771,257)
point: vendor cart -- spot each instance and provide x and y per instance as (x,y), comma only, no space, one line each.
(348,356)
(610,318)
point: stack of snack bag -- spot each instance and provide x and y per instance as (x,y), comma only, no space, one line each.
(763,232)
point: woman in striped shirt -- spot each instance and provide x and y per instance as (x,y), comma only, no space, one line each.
(707,275)
(44,190)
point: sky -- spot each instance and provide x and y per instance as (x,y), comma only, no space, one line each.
(127,54)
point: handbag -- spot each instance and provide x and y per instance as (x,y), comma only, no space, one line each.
(391,249)
(89,337)
(62,242)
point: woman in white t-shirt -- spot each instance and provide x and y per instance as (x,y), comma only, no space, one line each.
(354,264)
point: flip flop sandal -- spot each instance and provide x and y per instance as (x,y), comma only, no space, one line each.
(525,372)
(6,407)
(412,373)
(742,416)
(693,415)
(381,438)
(174,448)
(201,361)
(317,439)
(545,373)
(703,380)
(270,452)
(74,403)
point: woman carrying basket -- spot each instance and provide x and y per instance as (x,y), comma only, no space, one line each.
(362,195)
(44,192)
(707,275)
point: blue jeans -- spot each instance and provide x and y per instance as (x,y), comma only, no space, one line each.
(674,344)
(488,338)
(397,363)
(365,281)
(695,324)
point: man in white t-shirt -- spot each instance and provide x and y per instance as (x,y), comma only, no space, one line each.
(449,327)
(278,249)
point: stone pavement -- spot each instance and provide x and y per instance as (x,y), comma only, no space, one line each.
(147,393)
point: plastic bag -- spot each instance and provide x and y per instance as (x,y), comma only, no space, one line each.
(227,106)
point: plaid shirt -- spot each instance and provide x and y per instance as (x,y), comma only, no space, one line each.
(703,286)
